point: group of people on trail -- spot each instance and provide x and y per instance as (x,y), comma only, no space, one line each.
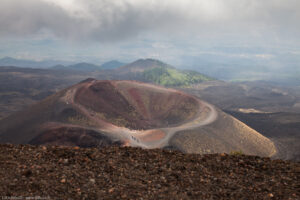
(135,139)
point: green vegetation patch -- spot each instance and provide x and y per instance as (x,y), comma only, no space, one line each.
(237,153)
(173,77)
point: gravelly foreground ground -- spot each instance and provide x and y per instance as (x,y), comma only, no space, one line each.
(131,173)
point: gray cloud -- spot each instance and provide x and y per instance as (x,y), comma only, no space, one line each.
(107,20)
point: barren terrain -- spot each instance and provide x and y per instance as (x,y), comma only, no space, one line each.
(129,113)
(133,173)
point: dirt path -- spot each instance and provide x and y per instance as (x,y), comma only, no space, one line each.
(153,138)
(195,123)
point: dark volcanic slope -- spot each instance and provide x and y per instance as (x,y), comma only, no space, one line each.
(130,173)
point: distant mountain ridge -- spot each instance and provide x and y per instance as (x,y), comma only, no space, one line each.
(146,70)
(8,61)
(89,67)
(81,67)
(112,64)
(155,71)
(142,65)
(56,64)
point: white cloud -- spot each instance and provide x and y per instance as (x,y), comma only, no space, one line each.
(107,20)
(171,30)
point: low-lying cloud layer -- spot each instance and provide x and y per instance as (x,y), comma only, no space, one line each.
(107,20)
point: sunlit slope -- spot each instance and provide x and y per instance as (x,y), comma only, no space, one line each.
(226,134)
(173,77)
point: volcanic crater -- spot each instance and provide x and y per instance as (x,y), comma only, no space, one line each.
(97,113)
(135,105)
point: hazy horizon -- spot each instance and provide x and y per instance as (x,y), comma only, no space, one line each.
(241,34)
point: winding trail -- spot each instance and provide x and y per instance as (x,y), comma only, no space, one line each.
(153,138)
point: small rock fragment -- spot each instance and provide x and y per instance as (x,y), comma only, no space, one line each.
(111,190)
(92,180)
(271,195)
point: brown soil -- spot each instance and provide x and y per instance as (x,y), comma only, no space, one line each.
(131,173)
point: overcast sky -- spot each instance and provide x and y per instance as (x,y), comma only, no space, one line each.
(171,30)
